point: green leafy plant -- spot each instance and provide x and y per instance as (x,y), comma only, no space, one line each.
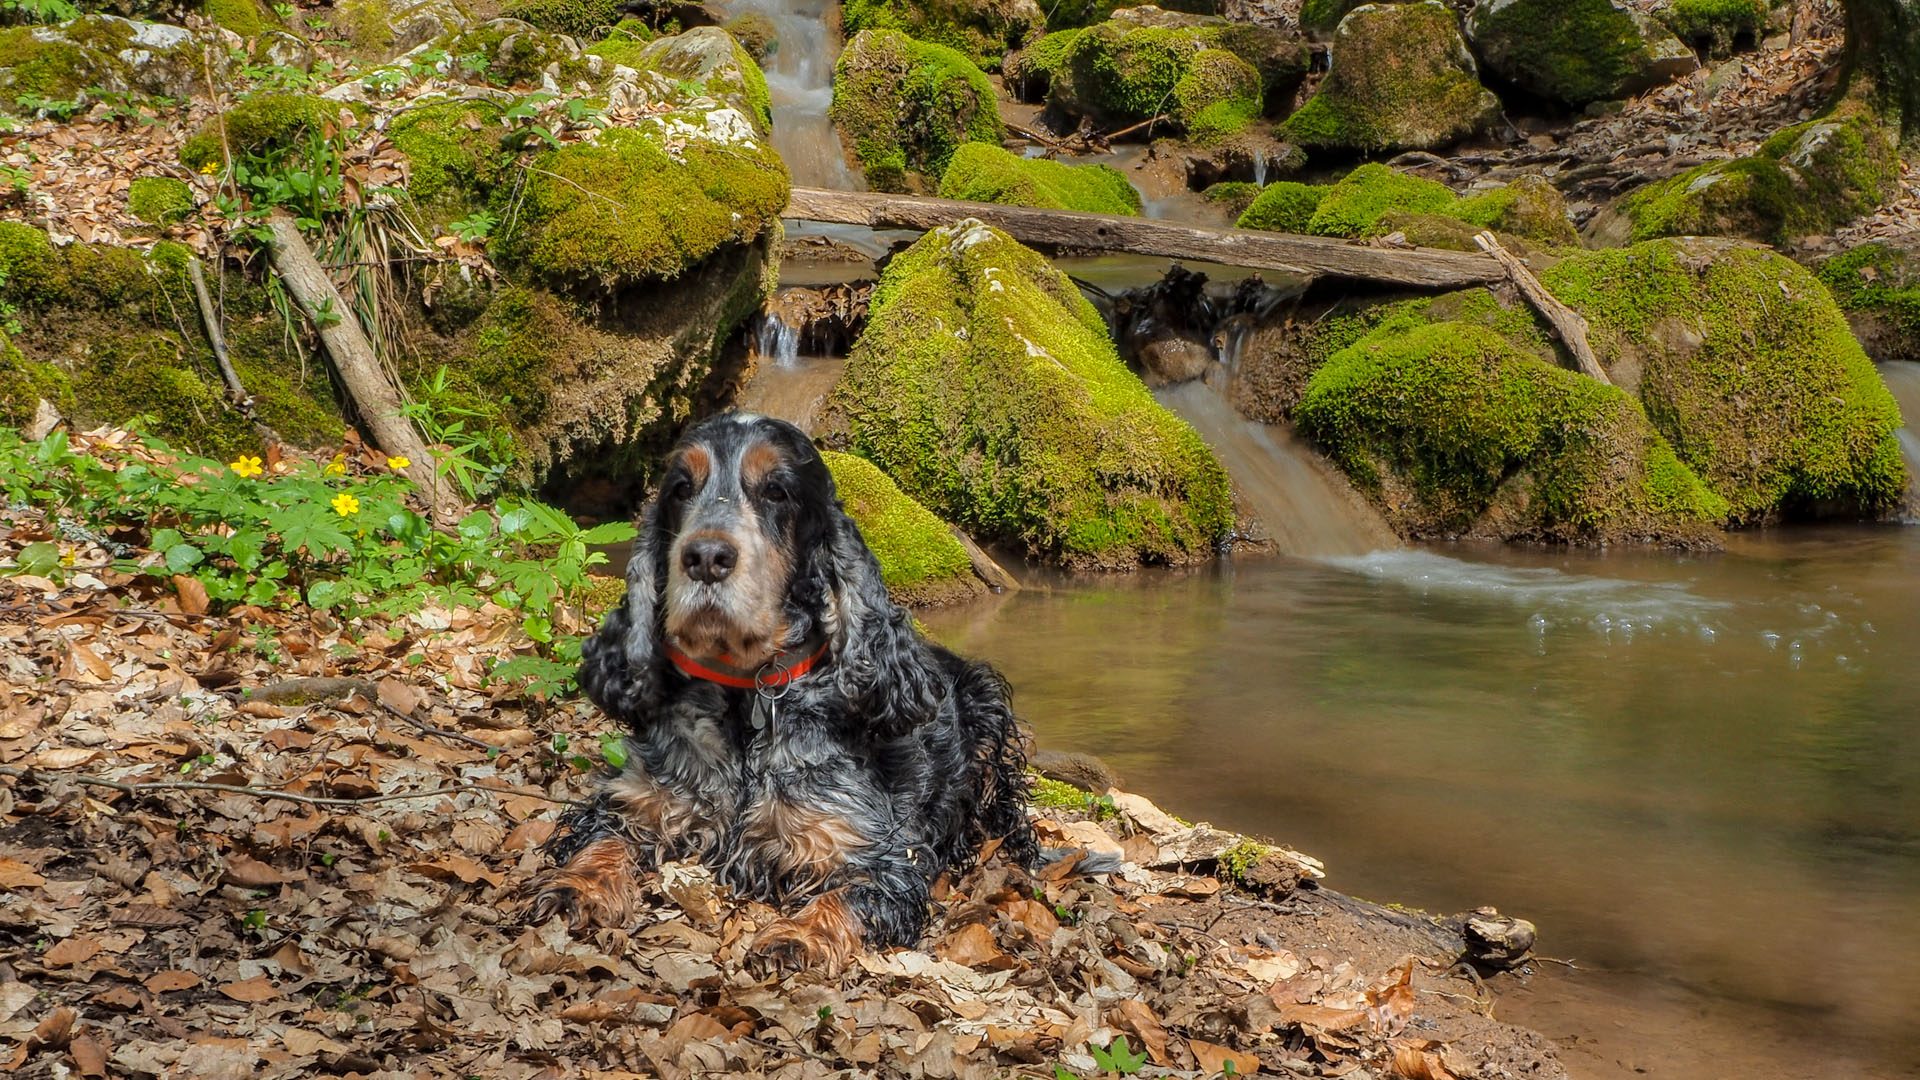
(475,228)
(284,11)
(61,109)
(1119,1058)
(39,11)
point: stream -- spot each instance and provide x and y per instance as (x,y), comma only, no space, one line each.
(1699,774)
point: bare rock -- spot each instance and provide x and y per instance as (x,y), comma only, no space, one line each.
(1083,771)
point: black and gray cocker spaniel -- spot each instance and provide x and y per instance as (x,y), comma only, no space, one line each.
(786,725)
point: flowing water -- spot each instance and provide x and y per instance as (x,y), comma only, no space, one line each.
(800,83)
(1699,774)
(1903,379)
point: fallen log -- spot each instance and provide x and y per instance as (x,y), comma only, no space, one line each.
(374,395)
(1419,268)
(1568,325)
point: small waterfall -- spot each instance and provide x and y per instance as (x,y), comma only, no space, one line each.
(1260,167)
(800,82)
(1309,508)
(1903,378)
(776,340)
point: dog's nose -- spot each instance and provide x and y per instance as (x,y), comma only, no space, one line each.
(709,560)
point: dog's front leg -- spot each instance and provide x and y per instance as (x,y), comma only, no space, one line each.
(885,908)
(595,887)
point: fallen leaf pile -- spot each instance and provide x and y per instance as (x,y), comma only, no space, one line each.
(274,844)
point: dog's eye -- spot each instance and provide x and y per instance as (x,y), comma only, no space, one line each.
(774,493)
(681,489)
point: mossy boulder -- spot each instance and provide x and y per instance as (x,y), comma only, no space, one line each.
(248,18)
(1401,78)
(756,33)
(1073,14)
(623,43)
(456,155)
(984,31)
(1452,429)
(100,340)
(159,200)
(384,29)
(1374,200)
(1323,16)
(1576,51)
(583,19)
(260,124)
(903,107)
(71,60)
(1745,363)
(983,173)
(1235,196)
(516,53)
(647,202)
(1208,76)
(1807,179)
(920,559)
(1878,286)
(1716,27)
(988,387)
(707,62)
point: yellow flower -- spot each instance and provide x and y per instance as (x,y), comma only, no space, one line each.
(209,168)
(336,467)
(345,505)
(398,463)
(246,466)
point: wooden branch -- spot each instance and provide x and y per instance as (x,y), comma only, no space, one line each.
(1131,128)
(1418,268)
(374,396)
(1568,325)
(217,337)
(984,566)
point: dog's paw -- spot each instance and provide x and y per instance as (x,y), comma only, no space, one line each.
(787,945)
(583,904)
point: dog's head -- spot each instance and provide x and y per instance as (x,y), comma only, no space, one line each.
(745,553)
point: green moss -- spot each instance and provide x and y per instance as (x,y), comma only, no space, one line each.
(1401,78)
(1810,178)
(517,53)
(905,106)
(159,200)
(1530,206)
(580,18)
(1745,363)
(455,155)
(1284,206)
(1321,16)
(56,70)
(1218,96)
(243,17)
(1453,429)
(1241,857)
(103,341)
(983,173)
(987,386)
(1361,196)
(1050,794)
(24,384)
(756,34)
(258,124)
(1574,51)
(1235,195)
(984,31)
(1210,79)
(920,560)
(1881,283)
(1715,25)
(710,62)
(622,209)
(623,43)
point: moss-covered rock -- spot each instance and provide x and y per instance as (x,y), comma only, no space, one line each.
(984,31)
(101,340)
(1323,16)
(384,29)
(1454,430)
(1236,196)
(69,61)
(1807,179)
(920,559)
(159,200)
(1401,78)
(903,107)
(756,34)
(584,19)
(1208,76)
(1715,27)
(516,53)
(455,155)
(983,173)
(259,124)
(623,43)
(1744,362)
(248,18)
(1576,51)
(645,203)
(988,387)
(1374,200)
(1878,286)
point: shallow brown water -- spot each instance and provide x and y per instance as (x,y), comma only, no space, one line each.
(1699,774)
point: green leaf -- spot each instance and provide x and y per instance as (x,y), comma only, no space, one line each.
(39,559)
(183,557)
(610,532)
(613,749)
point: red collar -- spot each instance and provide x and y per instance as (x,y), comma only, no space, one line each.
(779,671)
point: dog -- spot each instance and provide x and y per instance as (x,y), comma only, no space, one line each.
(786,724)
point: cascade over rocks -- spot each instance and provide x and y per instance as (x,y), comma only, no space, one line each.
(1576,51)
(988,388)
(1401,78)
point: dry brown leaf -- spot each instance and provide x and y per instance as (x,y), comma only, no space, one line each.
(1033,915)
(301,1042)
(971,946)
(1393,1004)
(399,696)
(251,990)
(193,595)
(249,873)
(1419,1059)
(162,982)
(74,950)
(89,1055)
(1320,1017)
(150,916)
(1213,1059)
(451,867)
(62,757)
(15,874)
(1137,1017)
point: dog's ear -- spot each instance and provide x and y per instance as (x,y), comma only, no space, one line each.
(887,673)
(620,665)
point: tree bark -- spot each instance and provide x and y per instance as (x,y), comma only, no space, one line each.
(1883,62)
(374,396)
(1568,325)
(1423,268)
